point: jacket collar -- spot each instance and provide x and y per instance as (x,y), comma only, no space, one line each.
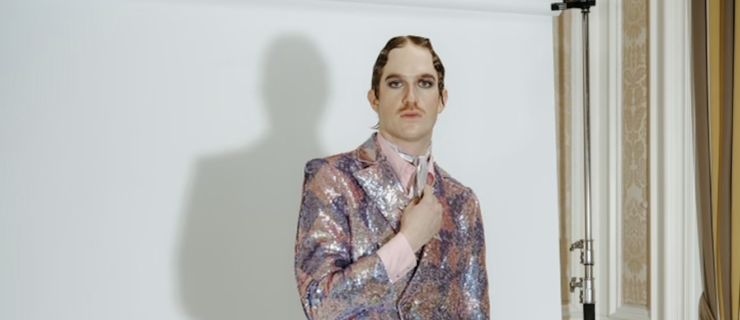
(380,182)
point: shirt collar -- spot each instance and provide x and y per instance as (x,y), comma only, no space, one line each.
(402,168)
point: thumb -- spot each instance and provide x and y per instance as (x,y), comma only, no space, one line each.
(428,190)
(428,193)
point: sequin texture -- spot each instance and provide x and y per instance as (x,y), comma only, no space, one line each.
(352,205)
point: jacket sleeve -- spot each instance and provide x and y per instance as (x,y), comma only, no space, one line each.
(331,285)
(475,302)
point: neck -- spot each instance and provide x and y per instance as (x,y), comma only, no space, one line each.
(414,148)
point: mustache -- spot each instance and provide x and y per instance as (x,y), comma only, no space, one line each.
(409,107)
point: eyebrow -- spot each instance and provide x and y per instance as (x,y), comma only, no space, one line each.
(422,76)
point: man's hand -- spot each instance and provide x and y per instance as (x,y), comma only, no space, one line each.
(422,221)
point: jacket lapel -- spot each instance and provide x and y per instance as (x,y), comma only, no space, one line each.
(431,259)
(380,183)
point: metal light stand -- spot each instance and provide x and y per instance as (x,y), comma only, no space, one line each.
(586,284)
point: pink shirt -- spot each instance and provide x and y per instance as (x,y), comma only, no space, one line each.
(397,255)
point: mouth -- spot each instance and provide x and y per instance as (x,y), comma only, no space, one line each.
(411,115)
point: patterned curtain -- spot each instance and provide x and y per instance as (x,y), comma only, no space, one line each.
(716,67)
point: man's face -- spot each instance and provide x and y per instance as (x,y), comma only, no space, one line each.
(409,101)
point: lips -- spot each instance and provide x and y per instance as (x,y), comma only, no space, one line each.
(411,115)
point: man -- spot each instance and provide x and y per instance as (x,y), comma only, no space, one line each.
(365,249)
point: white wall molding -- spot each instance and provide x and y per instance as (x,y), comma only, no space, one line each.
(615,155)
(575,309)
(532,7)
(601,115)
(628,312)
(657,28)
(616,308)
(673,228)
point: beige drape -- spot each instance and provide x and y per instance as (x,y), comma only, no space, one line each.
(716,66)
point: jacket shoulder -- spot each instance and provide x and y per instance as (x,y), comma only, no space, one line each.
(454,186)
(345,162)
(334,170)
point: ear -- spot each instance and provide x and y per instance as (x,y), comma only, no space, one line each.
(373,100)
(445,95)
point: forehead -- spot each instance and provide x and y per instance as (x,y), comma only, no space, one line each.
(409,60)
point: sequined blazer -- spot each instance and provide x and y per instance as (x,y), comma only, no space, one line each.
(352,205)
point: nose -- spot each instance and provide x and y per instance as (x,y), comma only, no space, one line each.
(410,96)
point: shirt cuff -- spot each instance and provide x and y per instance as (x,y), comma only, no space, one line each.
(398,257)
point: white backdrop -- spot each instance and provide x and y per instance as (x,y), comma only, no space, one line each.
(151,152)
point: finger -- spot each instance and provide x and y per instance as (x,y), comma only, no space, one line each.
(411,205)
(428,193)
(437,205)
(428,189)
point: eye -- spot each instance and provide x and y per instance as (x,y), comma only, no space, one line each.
(426,83)
(395,84)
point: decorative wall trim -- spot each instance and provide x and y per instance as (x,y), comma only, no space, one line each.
(656,155)
(673,238)
(635,186)
(627,312)
(532,7)
(615,148)
(616,307)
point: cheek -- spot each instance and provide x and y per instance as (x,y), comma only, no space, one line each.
(389,102)
(431,100)
(393,95)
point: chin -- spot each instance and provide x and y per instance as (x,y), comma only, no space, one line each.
(413,136)
(414,132)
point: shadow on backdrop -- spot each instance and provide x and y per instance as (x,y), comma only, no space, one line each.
(237,246)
